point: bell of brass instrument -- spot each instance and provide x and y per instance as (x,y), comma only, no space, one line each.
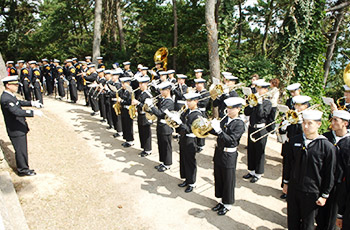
(201,126)
(161,56)
(172,123)
(253,99)
(146,109)
(132,108)
(117,106)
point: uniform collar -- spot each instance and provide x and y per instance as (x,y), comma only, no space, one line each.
(9,93)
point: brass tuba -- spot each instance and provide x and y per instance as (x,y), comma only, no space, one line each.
(161,56)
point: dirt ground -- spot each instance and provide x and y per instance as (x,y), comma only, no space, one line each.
(87,180)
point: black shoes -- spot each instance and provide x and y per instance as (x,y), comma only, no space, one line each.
(247,176)
(103,120)
(163,168)
(109,127)
(223,211)
(144,154)
(116,135)
(283,196)
(27,173)
(126,144)
(218,207)
(158,166)
(189,189)
(254,179)
(183,184)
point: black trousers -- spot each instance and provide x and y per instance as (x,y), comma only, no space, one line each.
(102,105)
(73,90)
(256,153)
(145,134)
(327,215)
(109,111)
(80,83)
(128,129)
(86,94)
(165,148)
(188,163)
(92,101)
(49,85)
(60,84)
(27,91)
(37,92)
(21,152)
(225,182)
(301,209)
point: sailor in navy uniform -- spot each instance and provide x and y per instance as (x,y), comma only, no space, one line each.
(309,172)
(71,77)
(294,90)
(343,217)
(47,75)
(230,81)
(16,125)
(164,131)
(179,91)
(90,79)
(117,120)
(171,76)
(35,76)
(229,132)
(202,105)
(128,73)
(258,116)
(101,81)
(88,59)
(143,124)
(187,141)
(288,131)
(24,81)
(59,78)
(340,138)
(100,63)
(12,71)
(125,102)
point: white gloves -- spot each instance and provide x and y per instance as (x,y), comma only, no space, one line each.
(176,119)
(215,123)
(38,113)
(260,100)
(149,102)
(226,91)
(285,124)
(37,104)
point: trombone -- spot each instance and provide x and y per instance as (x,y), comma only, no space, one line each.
(291,116)
(253,99)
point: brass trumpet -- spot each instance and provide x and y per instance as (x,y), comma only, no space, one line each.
(291,116)
(253,99)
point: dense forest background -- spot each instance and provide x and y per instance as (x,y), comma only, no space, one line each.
(294,40)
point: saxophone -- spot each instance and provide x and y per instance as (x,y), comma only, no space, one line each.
(117,106)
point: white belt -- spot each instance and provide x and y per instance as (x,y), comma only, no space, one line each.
(230,150)
(190,135)
(258,126)
(142,112)
(162,121)
(181,102)
(202,109)
(126,106)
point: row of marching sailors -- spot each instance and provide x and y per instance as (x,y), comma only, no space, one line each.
(189,145)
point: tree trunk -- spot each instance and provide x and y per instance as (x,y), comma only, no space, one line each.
(175,33)
(267,27)
(239,25)
(97,30)
(332,39)
(214,61)
(120,26)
